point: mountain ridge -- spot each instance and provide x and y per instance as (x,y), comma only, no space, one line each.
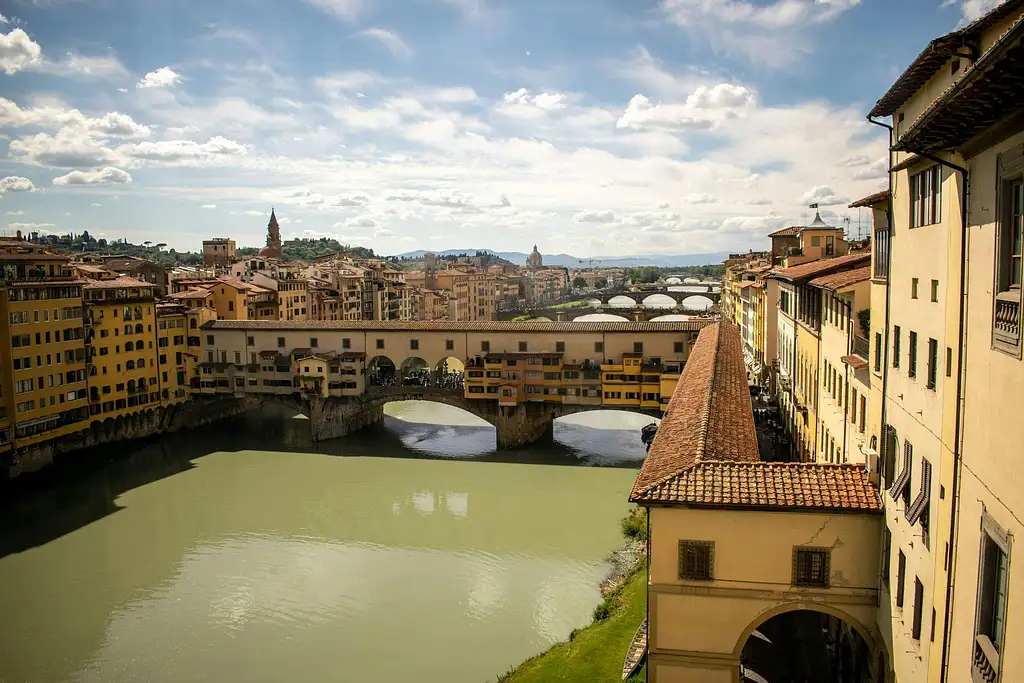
(568,260)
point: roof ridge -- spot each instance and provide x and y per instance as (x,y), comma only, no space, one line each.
(705,418)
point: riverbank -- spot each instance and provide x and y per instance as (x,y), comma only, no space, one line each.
(595,653)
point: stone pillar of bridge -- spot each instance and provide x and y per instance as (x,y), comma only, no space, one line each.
(524,424)
(332,418)
(560,316)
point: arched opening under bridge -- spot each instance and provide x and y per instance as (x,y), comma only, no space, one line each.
(816,645)
(659,301)
(697,303)
(601,318)
(621,301)
(604,436)
(436,429)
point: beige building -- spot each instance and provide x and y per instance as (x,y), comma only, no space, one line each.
(219,251)
(739,546)
(951,363)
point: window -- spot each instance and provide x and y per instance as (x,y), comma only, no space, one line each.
(933,362)
(449,344)
(886,553)
(913,287)
(380,343)
(697,560)
(915,629)
(522,346)
(250,341)
(901,572)
(896,336)
(280,342)
(560,347)
(414,344)
(992,589)
(901,486)
(912,358)
(881,249)
(638,347)
(935,291)
(926,197)
(485,346)
(863,413)
(816,241)
(313,342)
(677,347)
(878,351)
(810,567)
(346,343)
(598,347)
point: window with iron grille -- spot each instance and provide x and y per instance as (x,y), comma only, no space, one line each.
(697,560)
(811,566)
(915,629)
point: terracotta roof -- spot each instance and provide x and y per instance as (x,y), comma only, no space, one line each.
(934,57)
(116,283)
(190,294)
(443,326)
(855,362)
(46,256)
(709,416)
(793,486)
(837,281)
(786,232)
(821,266)
(871,199)
(985,93)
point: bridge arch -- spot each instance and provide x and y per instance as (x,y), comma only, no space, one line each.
(698,302)
(414,368)
(659,301)
(621,301)
(381,371)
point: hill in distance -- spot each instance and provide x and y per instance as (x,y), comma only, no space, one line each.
(519,258)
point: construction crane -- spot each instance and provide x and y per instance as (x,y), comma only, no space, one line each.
(589,261)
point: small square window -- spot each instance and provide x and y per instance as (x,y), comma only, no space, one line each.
(522,346)
(811,566)
(697,560)
(677,347)
(209,339)
(414,344)
(250,341)
(280,342)
(346,343)
(449,344)
(380,343)
(935,291)
(598,347)
(913,288)
(638,347)
(485,346)
(313,343)
(560,346)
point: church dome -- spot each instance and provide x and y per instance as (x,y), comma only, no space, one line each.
(270,252)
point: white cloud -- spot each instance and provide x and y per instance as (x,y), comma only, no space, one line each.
(103,176)
(973,9)
(353,199)
(184,150)
(702,198)
(4,20)
(822,194)
(346,10)
(398,48)
(383,233)
(357,222)
(471,9)
(18,52)
(164,77)
(704,109)
(208,206)
(69,148)
(875,170)
(88,67)
(15,183)
(776,15)
(592,216)
(53,115)
(32,227)
(546,101)
(19,212)
(854,160)
(95,204)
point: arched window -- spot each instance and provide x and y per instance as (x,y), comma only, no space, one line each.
(138,312)
(139,329)
(130,365)
(141,363)
(127,314)
(92,371)
(131,386)
(128,346)
(193,324)
(142,384)
(127,329)
(165,394)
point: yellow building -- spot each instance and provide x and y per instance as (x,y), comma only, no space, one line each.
(42,373)
(741,551)
(951,354)
(120,316)
(178,344)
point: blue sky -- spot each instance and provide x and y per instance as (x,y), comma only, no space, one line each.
(594,127)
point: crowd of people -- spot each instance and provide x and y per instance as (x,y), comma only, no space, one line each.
(442,378)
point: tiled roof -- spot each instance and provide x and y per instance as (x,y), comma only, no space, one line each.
(116,283)
(855,362)
(821,266)
(46,256)
(195,293)
(837,281)
(443,326)
(792,486)
(786,232)
(709,416)
(934,57)
(870,200)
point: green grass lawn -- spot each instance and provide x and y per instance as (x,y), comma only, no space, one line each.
(596,653)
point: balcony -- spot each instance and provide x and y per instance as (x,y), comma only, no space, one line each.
(1006,324)
(985,668)
(861,347)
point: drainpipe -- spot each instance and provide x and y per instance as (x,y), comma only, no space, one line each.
(848,314)
(647,615)
(958,427)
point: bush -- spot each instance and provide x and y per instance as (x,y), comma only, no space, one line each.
(602,611)
(634,525)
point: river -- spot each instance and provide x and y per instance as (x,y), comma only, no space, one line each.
(242,552)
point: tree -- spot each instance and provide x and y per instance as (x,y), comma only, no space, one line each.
(602,283)
(578,282)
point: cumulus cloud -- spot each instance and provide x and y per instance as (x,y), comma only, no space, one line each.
(875,170)
(854,160)
(545,101)
(703,198)
(431,198)
(973,9)
(346,10)
(15,183)
(594,216)
(112,124)
(103,176)
(19,212)
(398,48)
(704,109)
(164,77)
(823,195)
(208,206)
(775,15)
(69,148)
(383,233)
(18,52)
(354,199)
(185,150)
(360,222)
(89,67)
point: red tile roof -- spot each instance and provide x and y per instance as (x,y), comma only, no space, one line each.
(871,199)
(791,231)
(793,486)
(845,278)
(705,452)
(855,362)
(116,283)
(709,416)
(448,325)
(822,266)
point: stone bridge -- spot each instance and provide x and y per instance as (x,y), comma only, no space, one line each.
(630,313)
(516,426)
